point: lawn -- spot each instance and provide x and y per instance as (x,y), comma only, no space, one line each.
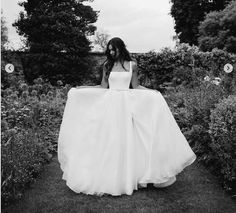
(196,190)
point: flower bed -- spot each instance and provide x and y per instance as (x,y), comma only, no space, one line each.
(206,115)
(31,116)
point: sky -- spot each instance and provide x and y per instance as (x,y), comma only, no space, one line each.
(142,25)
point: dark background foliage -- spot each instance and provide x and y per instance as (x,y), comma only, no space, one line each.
(219,30)
(188,14)
(53,28)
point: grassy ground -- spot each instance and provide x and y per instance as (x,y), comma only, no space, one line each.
(195,190)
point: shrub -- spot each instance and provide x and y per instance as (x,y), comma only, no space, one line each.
(222,130)
(186,65)
(31,117)
(207,116)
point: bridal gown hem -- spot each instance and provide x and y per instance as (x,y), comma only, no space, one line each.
(112,141)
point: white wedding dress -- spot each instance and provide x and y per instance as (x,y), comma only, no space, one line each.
(112,141)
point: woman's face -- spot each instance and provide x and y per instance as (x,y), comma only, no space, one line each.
(114,52)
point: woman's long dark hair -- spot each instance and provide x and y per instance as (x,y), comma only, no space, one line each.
(124,54)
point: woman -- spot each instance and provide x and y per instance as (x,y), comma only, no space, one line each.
(114,139)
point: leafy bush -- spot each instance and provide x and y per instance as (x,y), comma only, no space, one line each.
(207,117)
(175,100)
(191,108)
(186,65)
(31,117)
(156,68)
(222,130)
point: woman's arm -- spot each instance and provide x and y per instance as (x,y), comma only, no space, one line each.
(134,79)
(104,82)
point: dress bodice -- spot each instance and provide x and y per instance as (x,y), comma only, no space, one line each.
(120,80)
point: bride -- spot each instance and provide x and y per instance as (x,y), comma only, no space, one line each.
(118,136)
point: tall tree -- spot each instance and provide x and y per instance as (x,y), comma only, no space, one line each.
(189,13)
(219,30)
(4,32)
(56,32)
(101,39)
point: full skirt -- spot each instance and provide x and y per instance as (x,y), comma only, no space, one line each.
(112,141)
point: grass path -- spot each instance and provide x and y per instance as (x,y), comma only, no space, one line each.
(195,190)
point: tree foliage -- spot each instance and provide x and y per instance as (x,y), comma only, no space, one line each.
(101,39)
(188,14)
(56,33)
(55,26)
(4,32)
(219,30)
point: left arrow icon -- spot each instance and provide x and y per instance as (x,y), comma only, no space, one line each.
(9,68)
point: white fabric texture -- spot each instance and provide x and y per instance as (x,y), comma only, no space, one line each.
(113,140)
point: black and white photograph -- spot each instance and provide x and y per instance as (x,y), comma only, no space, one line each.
(118,106)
